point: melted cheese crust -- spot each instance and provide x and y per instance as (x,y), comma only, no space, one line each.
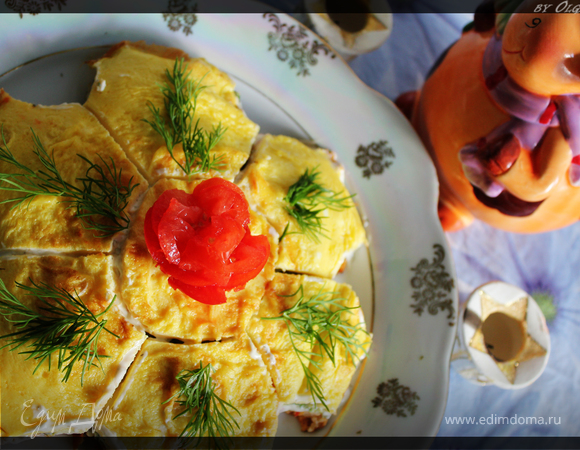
(165,312)
(335,378)
(276,164)
(279,355)
(28,397)
(239,378)
(47,222)
(256,375)
(132,75)
(271,337)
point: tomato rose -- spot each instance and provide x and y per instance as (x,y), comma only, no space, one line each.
(202,240)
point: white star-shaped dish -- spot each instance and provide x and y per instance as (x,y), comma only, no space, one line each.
(505,334)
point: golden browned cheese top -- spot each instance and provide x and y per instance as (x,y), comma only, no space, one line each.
(167,312)
(277,163)
(129,79)
(273,341)
(48,222)
(240,378)
(256,367)
(30,395)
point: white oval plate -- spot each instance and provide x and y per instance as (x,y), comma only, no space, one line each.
(290,82)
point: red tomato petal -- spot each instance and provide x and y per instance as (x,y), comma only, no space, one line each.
(175,229)
(190,213)
(171,231)
(192,277)
(162,203)
(206,263)
(210,295)
(217,196)
(202,241)
(195,256)
(222,236)
(248,260)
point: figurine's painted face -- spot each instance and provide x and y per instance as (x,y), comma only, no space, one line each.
(456,109)
(543,58)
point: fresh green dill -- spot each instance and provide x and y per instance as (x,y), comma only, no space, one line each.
(63,325)
(210,415)
(306,202)
(180,100)
(322,320)
(284,233)
(102,195)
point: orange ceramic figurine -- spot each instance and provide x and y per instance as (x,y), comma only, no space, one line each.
(500,115)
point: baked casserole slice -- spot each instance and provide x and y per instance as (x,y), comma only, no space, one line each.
(166,312)
(65,131)
(289,355)
(36,400)
(128,81)
(149,399)
(277,163)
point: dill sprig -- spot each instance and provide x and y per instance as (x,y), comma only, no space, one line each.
(180,100)
(102,194)
(306,201)
(63,325)
(321,319)
(210,415)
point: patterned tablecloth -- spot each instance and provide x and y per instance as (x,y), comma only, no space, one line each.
(545,265)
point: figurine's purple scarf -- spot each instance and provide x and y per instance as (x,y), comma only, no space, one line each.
(531,115)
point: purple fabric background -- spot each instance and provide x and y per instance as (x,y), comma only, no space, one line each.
(548,262)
